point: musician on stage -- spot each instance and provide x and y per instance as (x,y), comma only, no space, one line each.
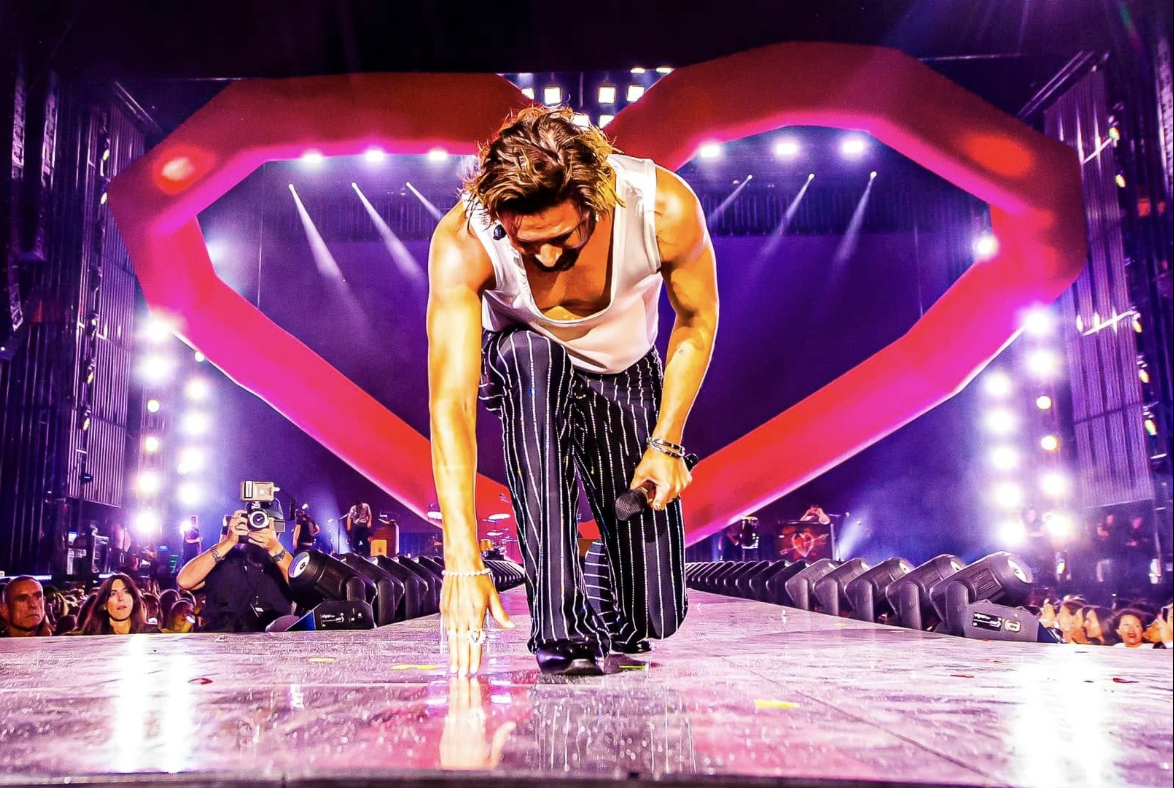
(544,285)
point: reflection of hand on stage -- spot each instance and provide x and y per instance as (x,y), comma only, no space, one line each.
(463,744)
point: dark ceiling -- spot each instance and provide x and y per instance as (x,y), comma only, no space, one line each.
(173,56)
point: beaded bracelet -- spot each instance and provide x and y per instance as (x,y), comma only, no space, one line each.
(447,573)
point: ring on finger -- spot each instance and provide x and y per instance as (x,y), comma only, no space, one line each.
(476,636)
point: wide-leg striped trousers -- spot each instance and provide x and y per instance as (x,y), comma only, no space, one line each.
(559,422)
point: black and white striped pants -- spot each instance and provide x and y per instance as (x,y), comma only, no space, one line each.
(556,421)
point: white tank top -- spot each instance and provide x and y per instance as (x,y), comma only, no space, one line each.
(610,340)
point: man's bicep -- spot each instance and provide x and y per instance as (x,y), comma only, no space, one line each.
(688,262)
(454,319)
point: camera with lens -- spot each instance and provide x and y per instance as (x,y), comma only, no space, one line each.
(261,507)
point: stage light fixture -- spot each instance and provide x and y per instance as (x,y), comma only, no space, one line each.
(787,148)
(375,155)
(997,383)
(312,158)
(607,94)
(909,595)
(437,155)
(1043,402)
(316,576)
(1053,484)
(853,147)
(605,119)
(200,357)
(1137,324)
(157,330)
(85,418)
(153,406)
(528,93)
(581,120)
(1119,179)
(830,591)
(662,70)
(388,603)
(89,369)
(197,389)
(635,92)
(1049,443)
(710,150)
(552,95)
(1043,363)
(1038,322)
(1005,458)
(148,482)
(151,444)
(638,70)
(1001,578)
(801,585)
(1151,428)
(986,246)
(1008,495)
(866,592)
(872,175)
(1000,421)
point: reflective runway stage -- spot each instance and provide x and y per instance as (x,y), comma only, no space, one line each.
(745,690)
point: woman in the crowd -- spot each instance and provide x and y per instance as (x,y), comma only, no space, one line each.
(1096,626)
(1129,628)
(181,618)
(118,609)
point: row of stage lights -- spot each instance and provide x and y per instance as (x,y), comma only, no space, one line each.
(851,147)
(1018,451)
(158,369)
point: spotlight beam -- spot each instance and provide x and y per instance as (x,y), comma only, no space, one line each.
(327,266)
(437,214)
(408,265)
(851,238)
(728,201)
(777,234)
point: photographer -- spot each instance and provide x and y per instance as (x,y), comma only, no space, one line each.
(245,577)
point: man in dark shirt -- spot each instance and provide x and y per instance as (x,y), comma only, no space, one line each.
(246,582)
(22,605)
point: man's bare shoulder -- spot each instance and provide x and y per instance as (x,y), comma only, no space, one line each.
(680,221)
(456,255)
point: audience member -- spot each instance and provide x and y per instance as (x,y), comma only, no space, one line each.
(1096,626)
(245,576)
(1129,628)
(180,619)
(22,605)
(1070,618)
(167,598)
(118,609)
(151,605)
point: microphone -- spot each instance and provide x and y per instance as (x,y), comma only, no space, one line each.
(629,504)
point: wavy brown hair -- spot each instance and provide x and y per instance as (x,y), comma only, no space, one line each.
(540,158)
(97,621)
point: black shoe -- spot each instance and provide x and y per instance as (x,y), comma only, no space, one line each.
(569,658)
(639,647)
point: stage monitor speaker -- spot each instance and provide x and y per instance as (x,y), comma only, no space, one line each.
(985,620)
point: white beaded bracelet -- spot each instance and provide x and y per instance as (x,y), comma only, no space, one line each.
(447,573)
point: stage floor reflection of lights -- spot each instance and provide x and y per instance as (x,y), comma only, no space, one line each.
(745,689)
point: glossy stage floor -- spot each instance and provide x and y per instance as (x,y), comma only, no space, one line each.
(746,690)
